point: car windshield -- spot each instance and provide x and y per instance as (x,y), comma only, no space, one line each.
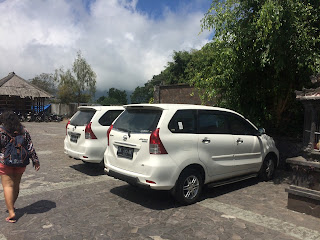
(138,120)
(82,118)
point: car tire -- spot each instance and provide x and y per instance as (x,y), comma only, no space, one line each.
(267,170)
(188,187)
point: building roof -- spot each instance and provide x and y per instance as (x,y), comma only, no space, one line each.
(13,85)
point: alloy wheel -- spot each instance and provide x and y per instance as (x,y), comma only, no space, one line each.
(269,168)
(191,187)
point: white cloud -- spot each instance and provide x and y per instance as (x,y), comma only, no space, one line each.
(124,47)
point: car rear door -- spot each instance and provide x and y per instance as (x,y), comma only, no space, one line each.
(76,128)
(216,145)
(129,139)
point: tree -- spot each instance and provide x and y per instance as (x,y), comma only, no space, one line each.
(46,82)
(114,97)
(85,77)
(174,73)
(140,95)
(175,70)
(260,53)
(66,86)
(78,85)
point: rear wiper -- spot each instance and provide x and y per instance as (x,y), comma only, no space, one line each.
(122,129)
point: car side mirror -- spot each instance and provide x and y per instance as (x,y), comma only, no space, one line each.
(262,131)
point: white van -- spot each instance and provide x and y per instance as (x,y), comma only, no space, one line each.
(86,132)
(181,147)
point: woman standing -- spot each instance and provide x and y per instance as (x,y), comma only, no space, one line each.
(10,173)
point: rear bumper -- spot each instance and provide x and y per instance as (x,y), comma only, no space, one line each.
(92,154)
(131,180)
(160,178)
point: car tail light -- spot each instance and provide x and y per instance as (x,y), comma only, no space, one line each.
(67,126)
(108,133)
(89,133)
(156,146)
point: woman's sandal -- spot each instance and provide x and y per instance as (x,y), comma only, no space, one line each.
(11,220)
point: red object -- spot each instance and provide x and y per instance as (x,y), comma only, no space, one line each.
(89,133)
(108,133)
(67,126)
(156,146)
(8,170)
(148,181)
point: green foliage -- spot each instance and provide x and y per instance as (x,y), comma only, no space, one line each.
(261,52)
(174,73)
(45,81)
(114,97)
(140,95)
(66,86)
(78,85)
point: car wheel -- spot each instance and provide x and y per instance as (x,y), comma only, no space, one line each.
(188,187)
(267,169)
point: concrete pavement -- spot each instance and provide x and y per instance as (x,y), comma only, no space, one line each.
(67,199)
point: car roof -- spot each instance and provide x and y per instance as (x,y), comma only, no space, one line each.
(165,106)
(101,108)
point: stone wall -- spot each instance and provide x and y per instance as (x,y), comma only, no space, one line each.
(182,93)
(64,109)
(288,148)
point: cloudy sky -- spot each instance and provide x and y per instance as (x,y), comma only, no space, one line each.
(126,42)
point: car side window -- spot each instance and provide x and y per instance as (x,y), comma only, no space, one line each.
(212,122)
(183,121)
(240,126)
(109,117)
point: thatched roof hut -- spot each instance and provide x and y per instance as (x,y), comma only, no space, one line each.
(19,95)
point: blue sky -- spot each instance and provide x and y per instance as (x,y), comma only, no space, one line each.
(126,42)
(157,8)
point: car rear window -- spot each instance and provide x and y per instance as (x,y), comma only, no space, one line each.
(138,120)
(109,117)
(82,117)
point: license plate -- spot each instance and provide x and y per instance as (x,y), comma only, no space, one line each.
(125,152)
(74,137)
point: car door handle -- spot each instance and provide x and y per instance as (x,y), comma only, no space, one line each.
(239,141)
(206,140)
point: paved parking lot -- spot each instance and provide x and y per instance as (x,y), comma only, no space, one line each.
(67,199)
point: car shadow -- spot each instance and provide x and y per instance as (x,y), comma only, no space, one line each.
(161,200)
(90,169)
(41,206)
(212,192)
(148,198)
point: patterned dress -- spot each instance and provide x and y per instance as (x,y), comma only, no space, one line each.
(4,139)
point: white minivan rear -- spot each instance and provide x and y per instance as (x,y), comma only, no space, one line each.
(86,132)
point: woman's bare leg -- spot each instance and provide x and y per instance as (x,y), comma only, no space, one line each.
(16,187)
(11,186)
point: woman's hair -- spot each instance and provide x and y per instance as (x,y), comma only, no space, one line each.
(11,122)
